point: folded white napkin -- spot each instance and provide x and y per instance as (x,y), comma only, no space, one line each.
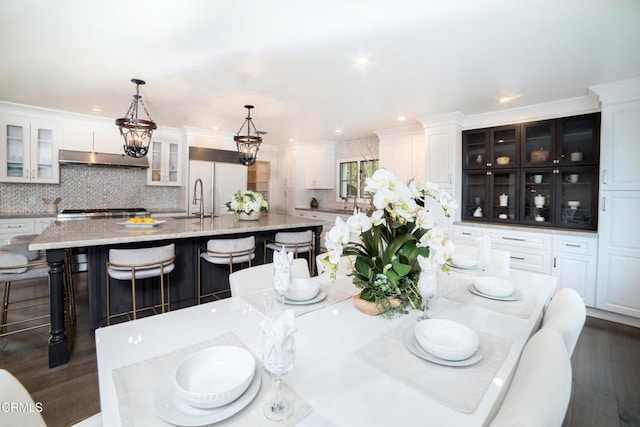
(282,262)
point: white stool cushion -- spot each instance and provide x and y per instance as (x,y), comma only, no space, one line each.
(241,250)
(16,262)
(129,259)
(21,248)
(297,237)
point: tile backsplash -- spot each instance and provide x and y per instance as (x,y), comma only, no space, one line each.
(90,187)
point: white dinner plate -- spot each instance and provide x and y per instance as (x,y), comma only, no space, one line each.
(142,224)
(451,264)
(515,296)
(411,343)
(321,296)
(173,409)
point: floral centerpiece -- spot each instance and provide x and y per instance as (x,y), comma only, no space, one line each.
(387,239)
(247,204)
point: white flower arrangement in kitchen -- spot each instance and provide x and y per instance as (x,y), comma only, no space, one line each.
(388,239)
(247,202)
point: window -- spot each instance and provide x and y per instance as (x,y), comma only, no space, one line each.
(353,174)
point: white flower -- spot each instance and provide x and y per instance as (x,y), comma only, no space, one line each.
(424,219)
(339,235)
(358,224)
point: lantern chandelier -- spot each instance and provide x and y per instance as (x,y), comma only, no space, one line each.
(248,144)
(135,131)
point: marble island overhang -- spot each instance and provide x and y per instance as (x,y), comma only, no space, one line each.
(188,235)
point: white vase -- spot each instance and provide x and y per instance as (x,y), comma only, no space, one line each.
(253,216)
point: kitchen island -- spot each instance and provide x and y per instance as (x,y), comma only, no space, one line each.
(100,235)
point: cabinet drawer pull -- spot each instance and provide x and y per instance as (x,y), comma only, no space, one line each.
(573,245)
(466,233)
(15,226)
(519,258)
(604,176)
(517,239)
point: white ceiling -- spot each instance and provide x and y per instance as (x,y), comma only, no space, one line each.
(293,59)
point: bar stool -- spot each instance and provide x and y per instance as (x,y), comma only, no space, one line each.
(297,242)
(143,263)
(225,252)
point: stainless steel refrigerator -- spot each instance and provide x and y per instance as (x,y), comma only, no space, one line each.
(219,182)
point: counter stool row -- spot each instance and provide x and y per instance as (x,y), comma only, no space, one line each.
(133,265)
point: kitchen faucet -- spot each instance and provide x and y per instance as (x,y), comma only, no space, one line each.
(200,213)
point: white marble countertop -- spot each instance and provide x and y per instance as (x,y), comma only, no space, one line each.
(97,232)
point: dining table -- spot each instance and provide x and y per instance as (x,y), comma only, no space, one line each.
(351,369)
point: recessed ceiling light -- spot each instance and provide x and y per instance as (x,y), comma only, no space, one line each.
(401,118)
(361,61)
(505,99)
(96,109)
(338,130)
(214,127)
(292,140)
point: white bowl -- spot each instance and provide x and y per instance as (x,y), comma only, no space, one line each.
(503,160)
(493,286)
(463,261)
(303,289)
(573,203)
(214,376)
(446,339)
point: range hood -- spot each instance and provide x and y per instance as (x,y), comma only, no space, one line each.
(69,157)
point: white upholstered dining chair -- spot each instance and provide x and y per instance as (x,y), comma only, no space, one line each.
(566,313)
(541,387)
(259,277)
(13,392)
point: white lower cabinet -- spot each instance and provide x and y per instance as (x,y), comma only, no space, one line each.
(574,264)
(618,286)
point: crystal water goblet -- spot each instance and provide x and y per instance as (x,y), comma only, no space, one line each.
(278,357)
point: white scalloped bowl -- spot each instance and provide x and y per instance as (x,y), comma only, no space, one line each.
(493,286)
(463,261)
(446,339)
(574,204)
(303,289)
(215,376)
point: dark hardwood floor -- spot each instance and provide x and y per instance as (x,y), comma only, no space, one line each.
(606,373)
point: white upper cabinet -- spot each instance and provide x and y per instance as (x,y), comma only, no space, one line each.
(320,169)
(442,135)
(402,151)
(165,160)
(97,137)
(620,134)
(620,147)
(287,168)
(29,151)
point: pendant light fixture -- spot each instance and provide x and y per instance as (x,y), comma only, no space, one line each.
(248,144)
(135,131)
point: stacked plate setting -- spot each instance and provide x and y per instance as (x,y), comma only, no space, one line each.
(446,340)
(463,261)
(208,386)
(493,286)
(304,291)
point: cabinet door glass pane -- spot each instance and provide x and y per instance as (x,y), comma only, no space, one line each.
(538,196)
(578,204)
(475,149)
(156,162)
(173,162)
(45,153)
(474,204)
(504,148)
(538,144)
(577,140)
(15,151)
(504,194)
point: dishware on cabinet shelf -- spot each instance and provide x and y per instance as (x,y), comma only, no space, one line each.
(536,179)
(478,212)
(539,156)
(503,160)
(504,200)
(576,156)
(539,200)
(573,178)
(574,204)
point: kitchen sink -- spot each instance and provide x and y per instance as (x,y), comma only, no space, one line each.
(193,217)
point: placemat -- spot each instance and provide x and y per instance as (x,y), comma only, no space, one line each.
(521,308)
(334,296)
(136,383)
(459,388)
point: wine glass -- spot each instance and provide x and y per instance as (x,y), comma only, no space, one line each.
(278,356)
(428,287)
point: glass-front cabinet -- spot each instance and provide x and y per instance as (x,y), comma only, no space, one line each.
(29,151)
(553,184)
(165,163)
(491,195)
(494,147)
